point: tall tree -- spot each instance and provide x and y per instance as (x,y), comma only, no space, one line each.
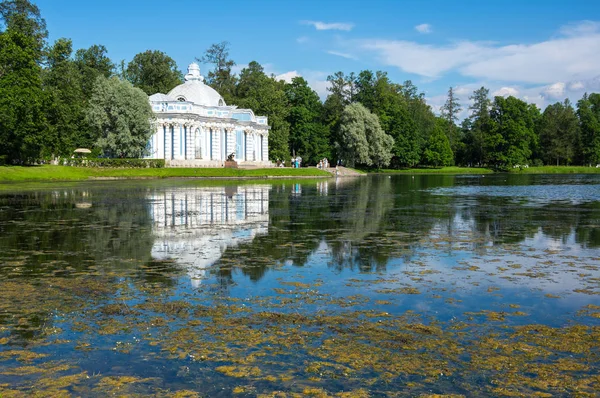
(559,133)
(154,72)
(512,134)
(24,16)
(22,119)
(221,78)
(309,137)
(588,110)
(120,117)
(65,108)
(93,62)
(266,96)
(450,111)
(363,141)
(479,121)
(438,151)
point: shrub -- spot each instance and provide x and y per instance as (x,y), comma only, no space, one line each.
(115,163)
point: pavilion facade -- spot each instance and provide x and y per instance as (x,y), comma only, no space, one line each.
(195,128)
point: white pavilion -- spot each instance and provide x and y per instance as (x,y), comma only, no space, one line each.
(195,128)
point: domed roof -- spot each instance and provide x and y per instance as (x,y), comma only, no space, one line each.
(194,90)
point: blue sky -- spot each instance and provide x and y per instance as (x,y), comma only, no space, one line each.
(541,51)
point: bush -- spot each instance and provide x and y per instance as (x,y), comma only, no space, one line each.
(115,163)
(3,160)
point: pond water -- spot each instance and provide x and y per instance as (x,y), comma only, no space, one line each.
(376,286)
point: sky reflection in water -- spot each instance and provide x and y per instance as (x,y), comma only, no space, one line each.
(104,278)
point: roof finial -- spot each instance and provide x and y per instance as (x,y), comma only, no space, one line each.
(194,73)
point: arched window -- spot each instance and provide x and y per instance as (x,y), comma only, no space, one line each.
(181,99)
(221,103)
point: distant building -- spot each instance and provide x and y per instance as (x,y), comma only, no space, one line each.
(196,128)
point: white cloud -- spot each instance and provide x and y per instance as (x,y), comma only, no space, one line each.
(288,76)
(506,92)
(423,28)
(574,55)
(341,54)
(574,86)
(580,28)
(555,91)
(302,39)
(329,26)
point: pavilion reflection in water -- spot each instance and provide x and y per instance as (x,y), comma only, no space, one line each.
(194,226)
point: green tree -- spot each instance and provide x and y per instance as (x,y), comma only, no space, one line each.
(65,107)
(363,141)
(559,133)
(512,134)
(309,137)
(588,110)
(24,16)
(221,78)
(479,123)
(449,112)
(438,151)
(119,116)
(266,96)
(93,62)
(154,72)
(22,119)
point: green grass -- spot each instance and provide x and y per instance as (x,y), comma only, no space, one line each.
(441,170)
(66,173)
(558,170)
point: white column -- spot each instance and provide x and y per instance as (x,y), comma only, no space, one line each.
(216,138)
(230,141)
(168,143)
(265,148)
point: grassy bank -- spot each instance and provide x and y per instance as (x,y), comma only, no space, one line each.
(558,170)
(66,173)
(441,170)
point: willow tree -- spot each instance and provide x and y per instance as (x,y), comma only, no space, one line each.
(120,118)
(362,140)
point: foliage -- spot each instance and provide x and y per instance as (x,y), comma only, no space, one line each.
(22,120)
(449,112)
(512,134)
(114,163)
(588,110)
(119,116)
(438,152)
(154,72)
(309,136)
(363,141)
(221,78)
(559,134)
(266,96)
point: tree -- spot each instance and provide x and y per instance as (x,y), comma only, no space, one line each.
(65,107)
(362,140)
(588,110)
(22,120)
(438,151)
(512,134)
(559,133)
(309,137)
(120,117)
(221,78)
(266,96)
(479,123)
(154,72)
(24,17)
(93,62)
(449,112)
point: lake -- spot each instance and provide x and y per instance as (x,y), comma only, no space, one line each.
(377,286)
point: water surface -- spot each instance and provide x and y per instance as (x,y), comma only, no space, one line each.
(376,286)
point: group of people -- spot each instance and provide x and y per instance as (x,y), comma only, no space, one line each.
(323,164)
